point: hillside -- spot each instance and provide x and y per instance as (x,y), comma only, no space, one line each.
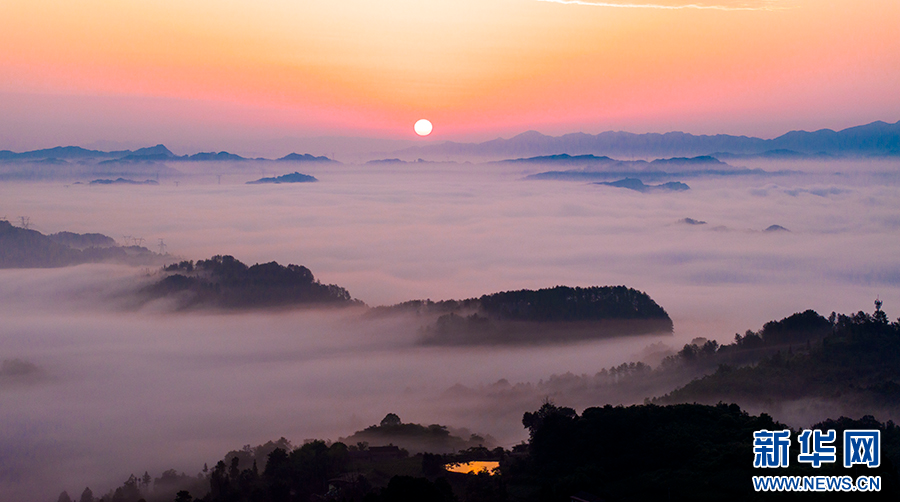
(536,316)
(855,366)
(26,248)
(676,452)
(415,438)
(222,282)
(294,177)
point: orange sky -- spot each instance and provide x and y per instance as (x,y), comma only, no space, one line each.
(476,68)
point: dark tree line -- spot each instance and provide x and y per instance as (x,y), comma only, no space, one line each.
(558,304)
(224,282)
(644,452)
(675,452)
(434,438)
(853,359)
(26,248)
(538,316)
(563,303)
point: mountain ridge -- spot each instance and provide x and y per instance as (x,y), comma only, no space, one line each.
(877,138)
(147,154)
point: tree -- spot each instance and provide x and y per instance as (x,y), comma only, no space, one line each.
(183,496)
(64,497)
(533,421)
(880,316)
(390,420)
(87,496)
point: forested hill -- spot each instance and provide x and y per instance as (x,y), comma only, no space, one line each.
(26,248)
(226,283)
(561,303)
(528,316)
(417,438)
(856,365)
(679,452)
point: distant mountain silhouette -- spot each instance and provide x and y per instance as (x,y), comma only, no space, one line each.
(59,152)
(387,161)
(123,181)
(158,153)
(26,248)
(588,160)
(702,160)
(563,159)
(153,151)
(296,157)
(594,163)
(875,139)
(778,154)
(294,177)
(590,167)
(220,157)
(639,186)
(149,154)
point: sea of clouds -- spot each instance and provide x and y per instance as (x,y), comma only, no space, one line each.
(107,390)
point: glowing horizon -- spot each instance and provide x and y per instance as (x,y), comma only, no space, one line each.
(206,71)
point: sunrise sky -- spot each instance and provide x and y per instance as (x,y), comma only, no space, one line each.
(205,72)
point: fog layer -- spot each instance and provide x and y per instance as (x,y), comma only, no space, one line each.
(117,392)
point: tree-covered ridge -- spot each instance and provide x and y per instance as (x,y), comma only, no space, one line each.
(638,382)
(224,282)
(536,316)
(551,315)
(856,363)
(318,470)
(563,303)
(560,303)
(26,248)
(795,332)
(416,438)
(83,241)
(643,452)
(294,177)
(676,452)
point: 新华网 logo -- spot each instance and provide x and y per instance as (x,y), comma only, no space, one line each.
(771,449)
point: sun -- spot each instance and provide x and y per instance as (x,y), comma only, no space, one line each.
(423,127)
